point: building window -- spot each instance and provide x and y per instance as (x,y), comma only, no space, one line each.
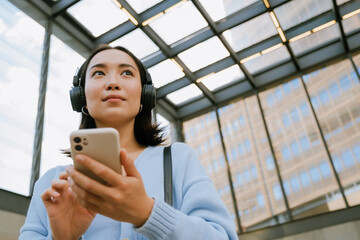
(222,161)
(334,90)
(233,153)
(295,148)
(287,188)
(345,83)
(285,120)
(304,109)
(247,145)
(260,200)
(347,158)
(305,180)
(337,163)
(356,150)
(270,100)
(295,184)
(277,192)
(315,175)
(241,149)
(295,83)
(216,165)
(246,174)
(325,169)
(294,115)
(253,171)
(305,144)
(315,102)
(270,162)
(324,97)
(278,94)
(239,179)
(242,121)
(286,153)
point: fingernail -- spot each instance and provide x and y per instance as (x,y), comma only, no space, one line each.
(56,194)
(79,158)
(70,181)
(69,170)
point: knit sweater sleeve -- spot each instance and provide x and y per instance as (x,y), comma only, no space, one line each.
(36,225)
(198,211)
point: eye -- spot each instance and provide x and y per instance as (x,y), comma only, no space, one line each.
(127,73)
(98,73)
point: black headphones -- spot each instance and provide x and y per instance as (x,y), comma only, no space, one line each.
(77,93)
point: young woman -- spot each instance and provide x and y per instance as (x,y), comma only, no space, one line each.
(68,205)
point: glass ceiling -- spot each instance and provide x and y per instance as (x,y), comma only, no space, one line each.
(199,50)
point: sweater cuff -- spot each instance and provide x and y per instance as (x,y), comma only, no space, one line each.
(161,222)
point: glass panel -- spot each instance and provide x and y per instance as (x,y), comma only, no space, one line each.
(357,61)
(218,9)
(141,5)
(165,72)
(315,40)
(267,60)
(98,16)
(138,43)
(339,2)
(250,32)
(351,24)
(20,63)
(299,152)
(178,23)
(203,136)
(204,54)
(298,11)
(223,77)
(337,88)
(165,125)
(184,94)
(62,67)
(251,163)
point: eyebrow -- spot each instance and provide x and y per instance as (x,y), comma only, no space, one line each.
(121,65)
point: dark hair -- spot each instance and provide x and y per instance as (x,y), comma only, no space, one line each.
(146,133)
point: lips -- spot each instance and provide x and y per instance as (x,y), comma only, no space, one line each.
(113,97)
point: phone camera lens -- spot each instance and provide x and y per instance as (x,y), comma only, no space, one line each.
(78,147)
(77,139)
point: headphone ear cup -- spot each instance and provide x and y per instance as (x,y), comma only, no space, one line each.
(77,98)
(148,96)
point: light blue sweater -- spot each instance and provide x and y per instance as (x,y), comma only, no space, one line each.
(197,212)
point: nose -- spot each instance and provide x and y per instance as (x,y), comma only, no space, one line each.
(112,83)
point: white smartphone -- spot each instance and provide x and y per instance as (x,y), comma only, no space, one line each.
(101,144)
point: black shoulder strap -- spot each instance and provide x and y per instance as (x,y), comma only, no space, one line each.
(167,175)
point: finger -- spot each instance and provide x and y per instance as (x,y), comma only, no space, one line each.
(87,196)
(129,165)
(49,195)
(63,175)
(97,168)
(59,184)
(84,182)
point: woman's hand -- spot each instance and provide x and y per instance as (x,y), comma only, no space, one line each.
(68,219)
(123,198)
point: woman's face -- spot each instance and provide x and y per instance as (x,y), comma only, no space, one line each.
(113,87)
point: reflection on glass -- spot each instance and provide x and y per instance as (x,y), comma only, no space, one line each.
(202,134)
(178,23)
(297,11)
(219,9)
(138,43)
(165,72)
(204,54)
(98,16)
(339,2)
(20,63)
(184,94)
(141,5)
(267,60)
(60,119)
(299,151)
(250,32)
(223,77)
(351,24)
(315,40)
(337,89)
(251,163)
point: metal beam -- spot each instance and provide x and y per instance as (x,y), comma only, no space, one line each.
(62,6)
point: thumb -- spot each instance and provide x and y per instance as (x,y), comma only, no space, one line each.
(129,165)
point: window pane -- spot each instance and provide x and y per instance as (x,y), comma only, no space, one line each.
(267,60)
(351,24)
(141,5)
(338,119)
(62,67)
(20,63)
(178,23)
(219,9)
(250,32)
(98,16)
(165,72)
(204,54)
(138,43)
(297,11)
(297,148)
(200,132)
(223,77)
(184,94)
(315,40)
(252,168)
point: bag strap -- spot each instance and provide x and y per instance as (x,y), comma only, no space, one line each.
(167,175)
